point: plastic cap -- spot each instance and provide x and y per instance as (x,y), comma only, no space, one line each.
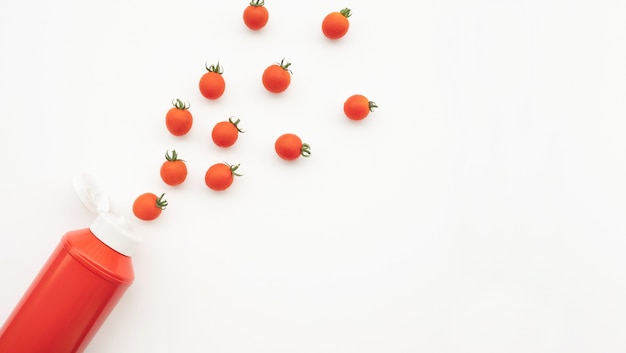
(90,194)
(112,230)
(115,232)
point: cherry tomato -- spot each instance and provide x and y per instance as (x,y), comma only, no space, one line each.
(212,84)
(173,170)
(289,147)
(220,176)
(335,25)
(357,107)
(178,119)
(225,133)
(277,77)
(148,206)
(255,16)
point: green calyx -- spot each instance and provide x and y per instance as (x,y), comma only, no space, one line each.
(179,104)
(372,106)
(235,123)
(257,2)
(346,12)
(161,202)
(233,169)
(214,68)
(285,65)
(173,157)
(305,150)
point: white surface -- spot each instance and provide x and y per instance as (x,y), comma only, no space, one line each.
(479,209)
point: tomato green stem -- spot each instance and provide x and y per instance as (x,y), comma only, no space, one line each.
(372,106)
(179,104)
(236,122)
(172,157)
(233,169)
(305,150)
(285,66)
(214,68)
(346,12)
(257,2)
(161,202)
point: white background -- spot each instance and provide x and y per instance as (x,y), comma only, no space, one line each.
(479,209)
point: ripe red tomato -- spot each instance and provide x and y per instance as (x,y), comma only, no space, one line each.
(335,25)
(357,107)
(289,147)
(148,206)
(277,77)
(173,170)
(220,176)
(225,133)
(178,119)
(212,84)
(255,16)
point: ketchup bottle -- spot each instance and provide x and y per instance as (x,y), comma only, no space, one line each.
(78,286)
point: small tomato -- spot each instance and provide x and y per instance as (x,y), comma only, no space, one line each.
(212,84)
(178,119)
(148,206)
(173,170)
(225,133)
(255,15)
(289,147)
(277,77)
(335,25)
(357,107)
(220,176)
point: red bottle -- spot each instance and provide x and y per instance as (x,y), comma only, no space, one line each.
(77,288)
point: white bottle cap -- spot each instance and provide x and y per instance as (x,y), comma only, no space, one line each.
(112,230)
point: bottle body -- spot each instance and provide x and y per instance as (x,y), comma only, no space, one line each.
(70,298)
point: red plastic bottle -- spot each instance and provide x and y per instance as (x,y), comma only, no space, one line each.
(78,286)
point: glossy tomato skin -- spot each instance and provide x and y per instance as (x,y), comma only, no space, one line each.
(356,107)
(212,85)
(289,146)
(277,77)
(178,120)
(219,177)
(255,17)
(335,25)
(173,172)
(225,133)
(148,206)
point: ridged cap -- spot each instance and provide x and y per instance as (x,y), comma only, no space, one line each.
(111,229)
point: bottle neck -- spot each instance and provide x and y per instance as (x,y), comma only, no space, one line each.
(84,246)
(113,231)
